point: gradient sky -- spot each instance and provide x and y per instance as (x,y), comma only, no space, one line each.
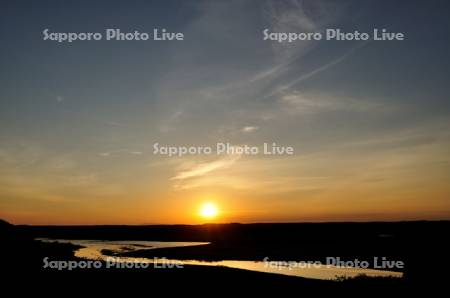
(369,120)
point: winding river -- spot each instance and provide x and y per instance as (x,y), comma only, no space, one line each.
(92,250)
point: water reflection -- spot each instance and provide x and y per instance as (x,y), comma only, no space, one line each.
(94,250)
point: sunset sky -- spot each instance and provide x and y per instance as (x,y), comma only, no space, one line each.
(369,120)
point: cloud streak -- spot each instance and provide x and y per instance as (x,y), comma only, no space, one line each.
(206,168)
(124,151)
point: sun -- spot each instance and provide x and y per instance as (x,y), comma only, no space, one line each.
(208,210)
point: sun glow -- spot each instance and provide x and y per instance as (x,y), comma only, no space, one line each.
(208,210)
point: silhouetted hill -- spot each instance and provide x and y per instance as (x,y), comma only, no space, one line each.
(4,223)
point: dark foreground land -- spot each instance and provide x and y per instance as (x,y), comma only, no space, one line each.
(422,246)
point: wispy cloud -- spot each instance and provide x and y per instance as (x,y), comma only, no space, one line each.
(298,102)
(121,151)
(248,129)
(170,122)
(206,168)
(319,69)
(296,16)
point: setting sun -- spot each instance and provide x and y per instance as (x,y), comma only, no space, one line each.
(208,210)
